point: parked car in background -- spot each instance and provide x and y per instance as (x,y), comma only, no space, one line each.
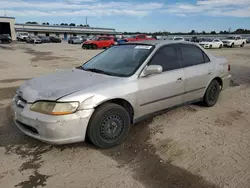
(175,38)
(5,38)
(233,41)
(195,39)
(44,39)
(248,40)
(99,42)
(22,36)
(75,40)
(55,39)
(119,87)
(139,37)
(34,40)
(211,43)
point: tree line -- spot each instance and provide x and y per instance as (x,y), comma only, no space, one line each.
(62,24)
(193,32)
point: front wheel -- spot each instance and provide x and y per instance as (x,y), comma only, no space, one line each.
(232,45)
(212,94)
(94,46)
(242,45)
(220,46)
(108,126)
(210,46)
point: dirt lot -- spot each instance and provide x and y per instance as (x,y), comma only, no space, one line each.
(191,146)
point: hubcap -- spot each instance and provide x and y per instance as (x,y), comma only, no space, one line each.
(112,127)
(213,94)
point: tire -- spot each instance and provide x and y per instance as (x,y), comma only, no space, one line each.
(84,46)
(108,126)
(220,46)
(212,94)
(94,46)
(242,45)
(210,46)
(232,45)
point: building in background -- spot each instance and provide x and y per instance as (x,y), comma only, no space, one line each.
(8,26)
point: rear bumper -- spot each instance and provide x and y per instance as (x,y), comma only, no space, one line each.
(226,81)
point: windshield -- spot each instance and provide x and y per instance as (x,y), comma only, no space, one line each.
(178,38)
(207,40)
(230,38)
(121,60)
(133,36)
(24,34)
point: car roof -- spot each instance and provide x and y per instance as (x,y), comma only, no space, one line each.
(160,42)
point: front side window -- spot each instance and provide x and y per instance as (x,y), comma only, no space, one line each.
(120,61)
(168,57)
(192,55)
(141,36)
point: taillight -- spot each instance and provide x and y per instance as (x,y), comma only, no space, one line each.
(229,67)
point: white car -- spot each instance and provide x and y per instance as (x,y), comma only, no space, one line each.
(211,43)
(233,41)
(175,38)
(22,36)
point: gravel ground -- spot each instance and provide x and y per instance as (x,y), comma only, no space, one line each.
(191,146)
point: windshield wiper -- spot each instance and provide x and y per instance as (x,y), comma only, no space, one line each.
(97,71)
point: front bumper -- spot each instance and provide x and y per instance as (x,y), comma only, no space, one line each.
(226,81)
(205,46)
(227,44)
(56,130)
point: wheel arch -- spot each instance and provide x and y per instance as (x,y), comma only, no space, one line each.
(121,102)
(218,79)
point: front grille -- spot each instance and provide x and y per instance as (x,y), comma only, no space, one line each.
(20,102)
(27,127)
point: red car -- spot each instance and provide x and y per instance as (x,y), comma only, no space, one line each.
(138,38)
(99,42)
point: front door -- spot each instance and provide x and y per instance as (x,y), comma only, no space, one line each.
(161,91)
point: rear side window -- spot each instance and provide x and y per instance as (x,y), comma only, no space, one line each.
(192,55)
(168,57)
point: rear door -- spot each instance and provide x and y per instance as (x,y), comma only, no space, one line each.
(198,71)
(161,91)
(142,37)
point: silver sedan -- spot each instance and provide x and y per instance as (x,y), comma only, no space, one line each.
(120,86)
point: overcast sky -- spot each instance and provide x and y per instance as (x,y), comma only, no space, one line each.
(135,15)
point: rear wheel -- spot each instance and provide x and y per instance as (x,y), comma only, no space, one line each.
(108,126)
(212,94)
(94,46)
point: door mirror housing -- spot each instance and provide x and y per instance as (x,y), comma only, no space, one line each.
(151,69)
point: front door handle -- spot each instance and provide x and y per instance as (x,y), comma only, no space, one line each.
(179,79)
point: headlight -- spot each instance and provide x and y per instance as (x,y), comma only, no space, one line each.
(54,108)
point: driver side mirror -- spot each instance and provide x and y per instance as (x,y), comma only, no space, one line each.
(151,69)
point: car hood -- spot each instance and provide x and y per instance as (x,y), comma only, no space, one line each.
(59,84)
(89,41)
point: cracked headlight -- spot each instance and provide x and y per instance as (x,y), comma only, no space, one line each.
(54,108)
